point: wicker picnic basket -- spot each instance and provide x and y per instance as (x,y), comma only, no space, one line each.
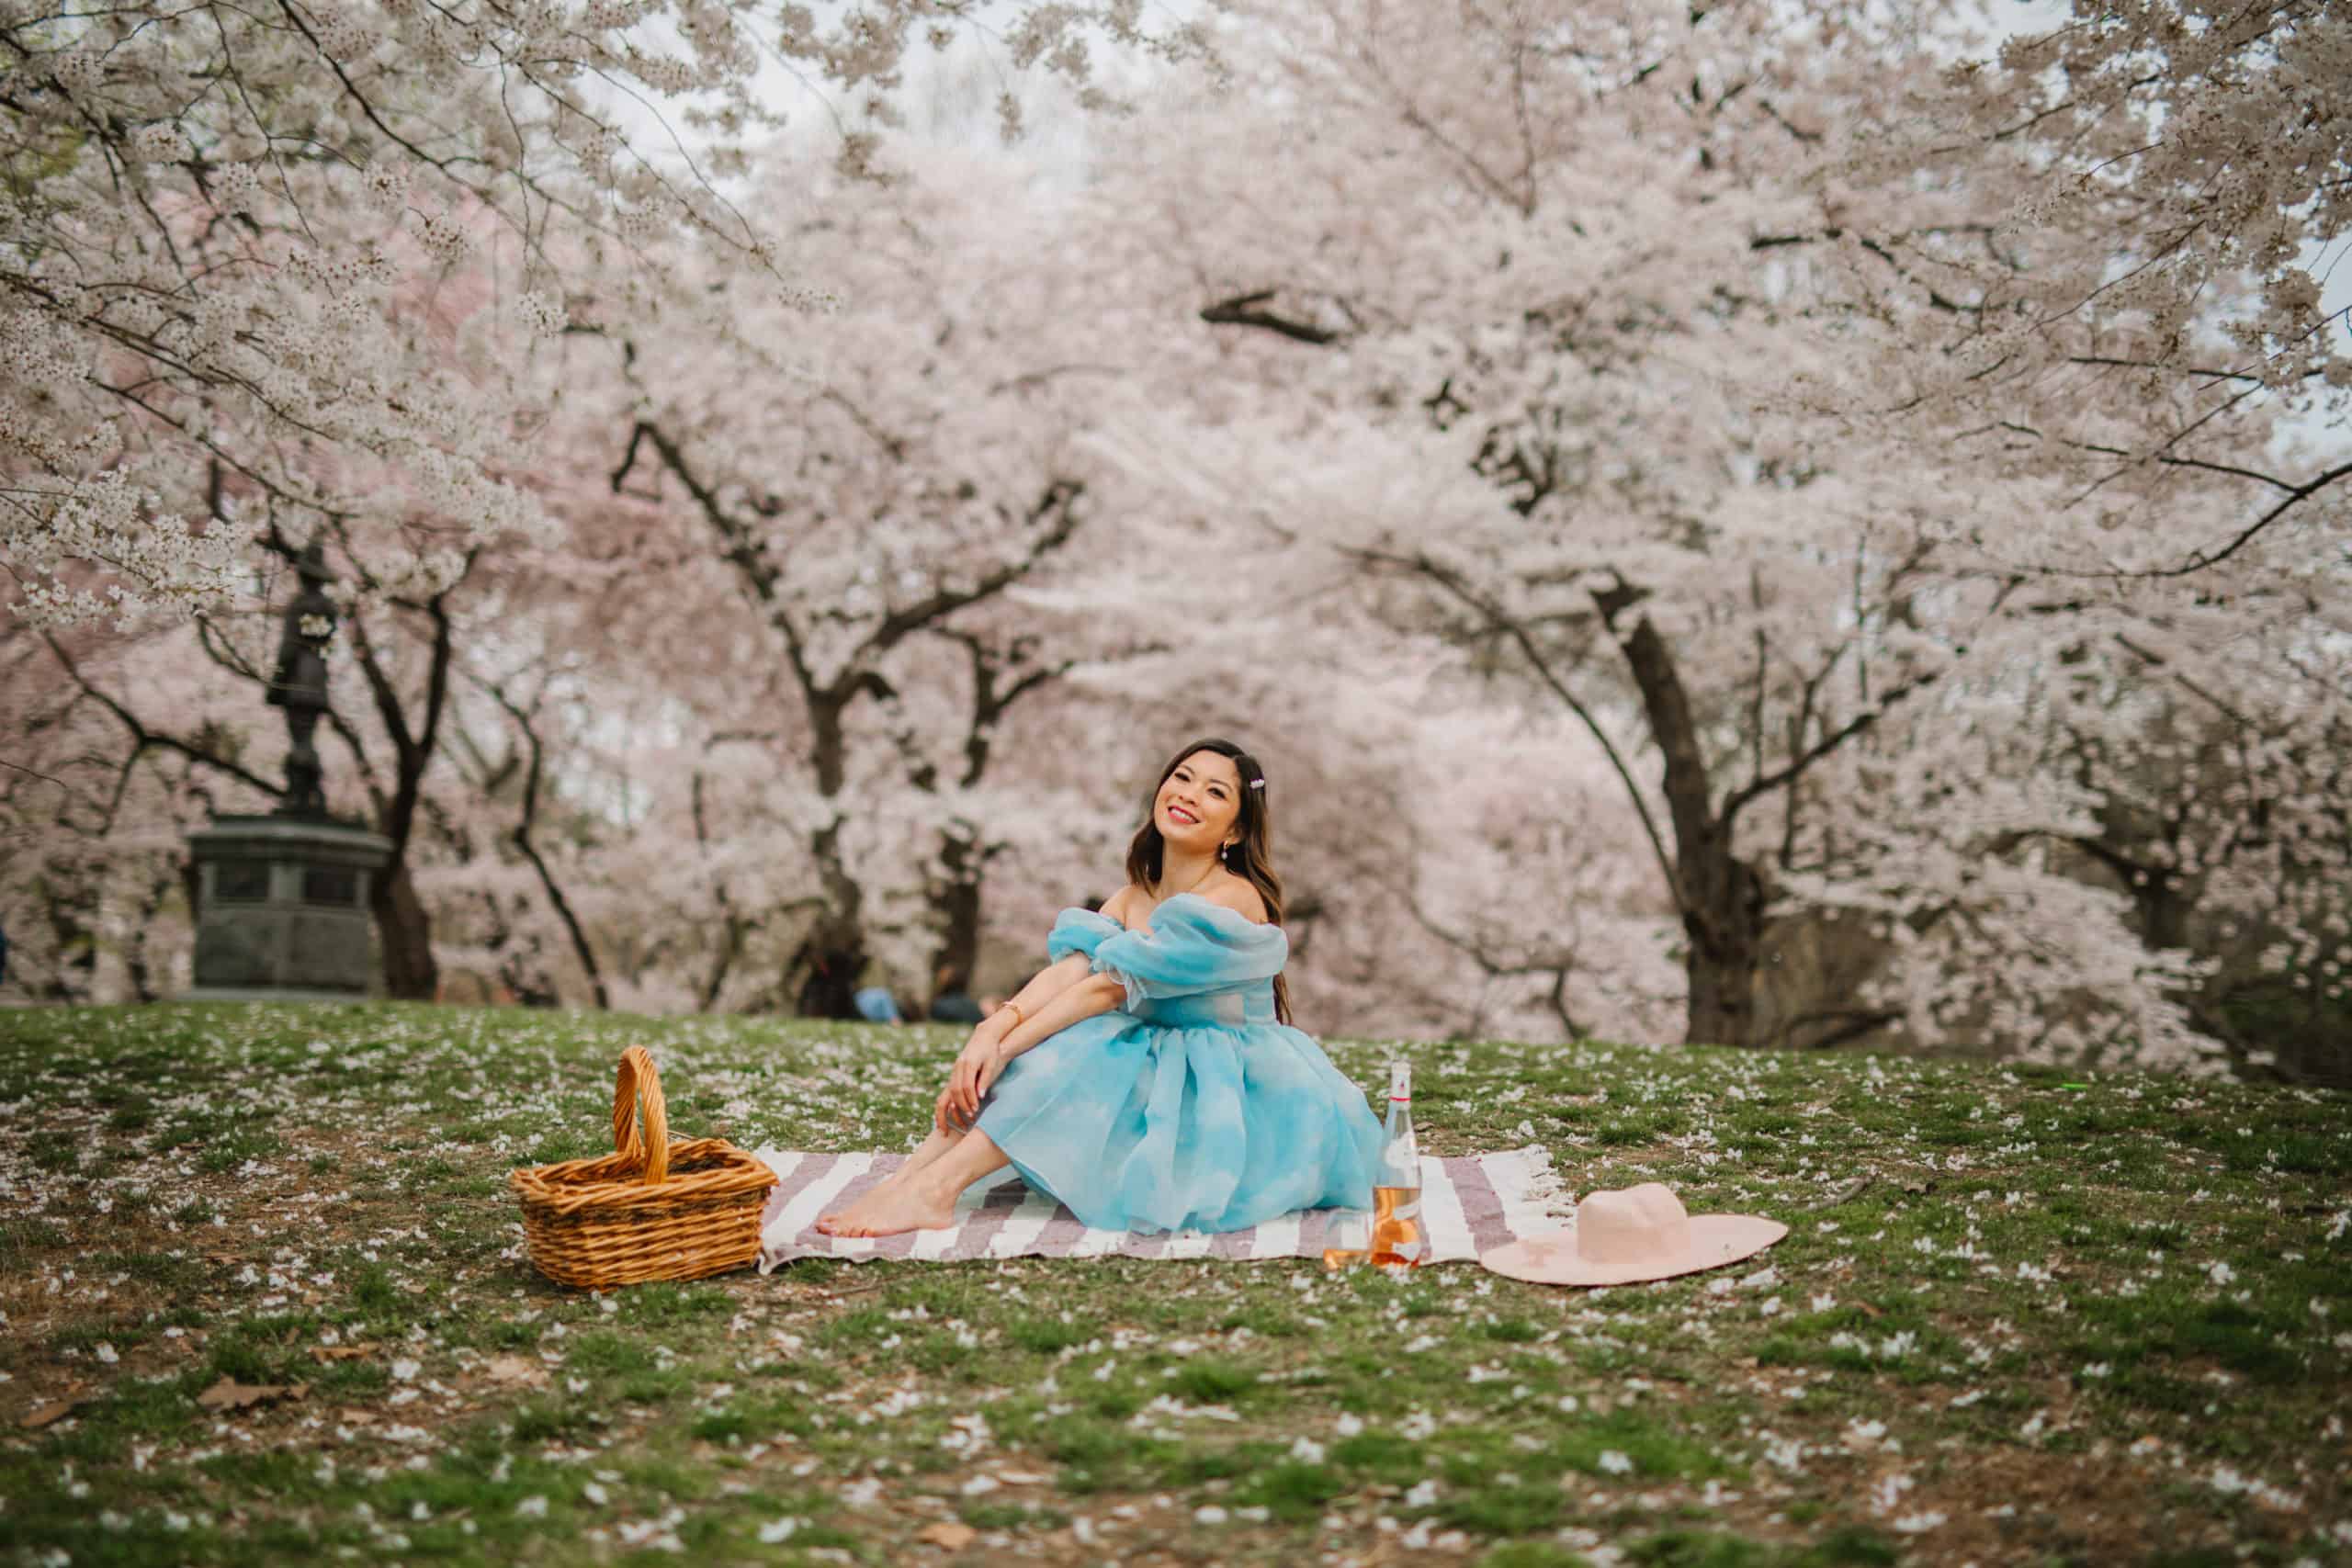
(650,1210)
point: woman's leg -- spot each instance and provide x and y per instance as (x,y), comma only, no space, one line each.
(927,1201)
(932,1149)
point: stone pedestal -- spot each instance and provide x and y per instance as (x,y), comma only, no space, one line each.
(282,909)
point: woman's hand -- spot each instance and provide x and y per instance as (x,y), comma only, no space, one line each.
(989,1031)
(947,1117)
(977,1067)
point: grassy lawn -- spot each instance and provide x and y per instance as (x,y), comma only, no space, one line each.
(2015,1321)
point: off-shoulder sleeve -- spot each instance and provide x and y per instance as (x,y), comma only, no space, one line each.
(1192,947)
(1078,930)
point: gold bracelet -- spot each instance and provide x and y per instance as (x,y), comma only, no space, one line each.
(1014,1009)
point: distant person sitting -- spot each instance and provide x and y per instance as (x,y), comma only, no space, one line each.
(876,1005)
(951,1001)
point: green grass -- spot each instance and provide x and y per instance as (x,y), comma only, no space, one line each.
(2012,1322)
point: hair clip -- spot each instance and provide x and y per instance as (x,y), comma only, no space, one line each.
(1257,783)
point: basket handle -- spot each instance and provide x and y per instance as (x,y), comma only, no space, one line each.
(645,1139)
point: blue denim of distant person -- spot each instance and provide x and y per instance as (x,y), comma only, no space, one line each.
(1187,1107)
(876,1005)
(954,1006)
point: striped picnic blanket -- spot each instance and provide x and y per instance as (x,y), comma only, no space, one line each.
(1472,1203)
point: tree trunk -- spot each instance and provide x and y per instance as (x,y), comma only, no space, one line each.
(401,922)
(145,984)
(959,904)
(828,961)
(581,949)
(1724,927)
(110,980)
(1720,897)
(2163,909)
(832,955)
(410,973)
(730,948)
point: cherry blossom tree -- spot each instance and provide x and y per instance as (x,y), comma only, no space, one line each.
(2222,813)
(93,811)
(848,510)
(2092,256)
(268,272)
(194,692)
(1738,518)
(409,590)
(2087,266)
(1510,345)
(1432,884)
(214,206)
(1528,331)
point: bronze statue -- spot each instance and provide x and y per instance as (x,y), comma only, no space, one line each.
(299,685)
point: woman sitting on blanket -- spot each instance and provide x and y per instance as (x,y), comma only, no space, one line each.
(1150,1079)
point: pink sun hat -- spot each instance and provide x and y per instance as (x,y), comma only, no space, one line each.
(1636,1234)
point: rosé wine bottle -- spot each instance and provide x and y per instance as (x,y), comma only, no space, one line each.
(1398,1240)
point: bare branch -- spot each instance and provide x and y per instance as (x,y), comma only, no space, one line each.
(1241,310)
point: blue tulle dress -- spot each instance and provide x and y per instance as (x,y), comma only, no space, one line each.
(1187,1108)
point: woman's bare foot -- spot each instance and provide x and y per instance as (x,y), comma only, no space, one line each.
(933,1148)
(892,1208)
(831,1224)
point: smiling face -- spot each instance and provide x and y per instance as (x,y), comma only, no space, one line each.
(1198,803)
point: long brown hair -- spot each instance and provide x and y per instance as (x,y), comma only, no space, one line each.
(1249,856)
